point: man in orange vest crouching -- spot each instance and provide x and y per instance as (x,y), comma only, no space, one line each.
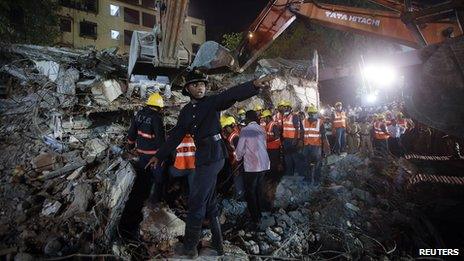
(314,140)
(184,161)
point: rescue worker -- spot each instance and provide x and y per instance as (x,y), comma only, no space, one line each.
(314,138)
(339,127)
(252,149)
(241,117)
(184,160)
(380,134)
(200,118)
(273,134)
(290,140)
(146,133)
(231,134)
(394,143)
(262,121)
(366,139)
(281,107)
(258,109)
(353,139)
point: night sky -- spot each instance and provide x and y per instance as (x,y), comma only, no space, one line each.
(225,16)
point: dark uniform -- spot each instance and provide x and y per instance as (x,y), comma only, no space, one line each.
(201,120)
(147,134)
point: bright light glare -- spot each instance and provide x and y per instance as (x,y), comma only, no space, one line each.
(380,74)
(371,98)
(250,35)
(322,111)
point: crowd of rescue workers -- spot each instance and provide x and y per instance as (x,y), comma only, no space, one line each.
(246,145)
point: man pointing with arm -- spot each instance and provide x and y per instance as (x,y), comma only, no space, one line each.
(200,118)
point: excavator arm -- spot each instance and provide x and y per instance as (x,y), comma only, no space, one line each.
(409,27)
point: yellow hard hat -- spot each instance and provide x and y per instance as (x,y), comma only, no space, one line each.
(282,103)
(312,109)
(223,120)
(155,99)
(241,111)
(258,108)
(266,113)
(230,120)
(380,116)
(338,103)
(400,114)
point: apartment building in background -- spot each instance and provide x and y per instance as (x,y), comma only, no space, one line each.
(109,23)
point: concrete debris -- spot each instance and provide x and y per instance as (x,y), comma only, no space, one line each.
(272,235)
(160,225)
(50,69)
(45,161)
(94,148)
(106,92)
(82,196)
(50,207)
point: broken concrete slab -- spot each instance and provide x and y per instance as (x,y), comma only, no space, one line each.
(65,85)
(50,207)
(45,161)
(160,224)
(106,92)
(117,195)
(93,148)
(50,69)
(82,195)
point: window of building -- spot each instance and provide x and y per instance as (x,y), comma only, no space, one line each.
(127,37)
(132,2)
(148,3)
(83,5)
(194,30)
(131,16)
(88,29)
(65,24)
(148,20)
(115,35)
(114,10)
(195,48)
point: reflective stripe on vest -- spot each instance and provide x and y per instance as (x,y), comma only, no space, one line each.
(231,138)
(339,120)
(312,134)
(147,152)
(145,135)
(378,133)
(273,143)
(185,156)
(289,130)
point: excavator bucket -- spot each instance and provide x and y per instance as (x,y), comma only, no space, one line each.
(214,58)
(434,90)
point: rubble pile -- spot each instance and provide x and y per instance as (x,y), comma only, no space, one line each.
(65,174)
(357,212)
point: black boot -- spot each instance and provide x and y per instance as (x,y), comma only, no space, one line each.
(216,238)
(191,239)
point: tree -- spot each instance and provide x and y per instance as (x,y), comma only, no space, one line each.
(231,41)
(25,21)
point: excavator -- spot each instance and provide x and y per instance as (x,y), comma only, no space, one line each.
(433,71)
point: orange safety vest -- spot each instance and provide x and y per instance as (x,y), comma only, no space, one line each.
(378,133)
(185,156)
(312,133)
(339,120)
(231,147)
(403,123)
(273,143)
(289,130)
